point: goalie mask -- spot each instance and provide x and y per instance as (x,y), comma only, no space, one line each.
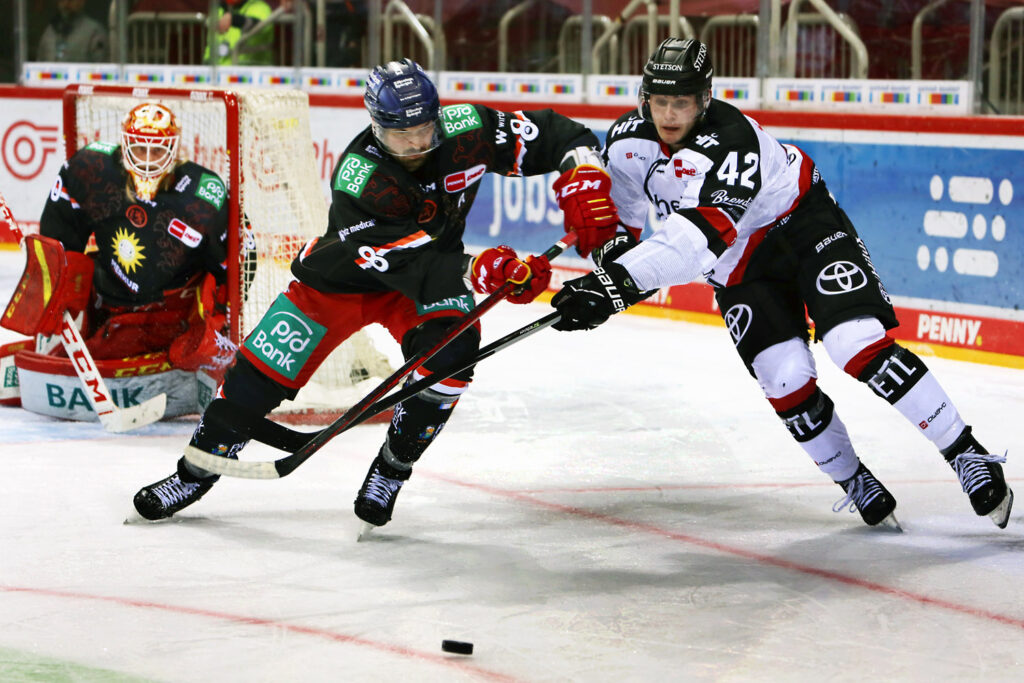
(149,146)
(677,67)
(404,109)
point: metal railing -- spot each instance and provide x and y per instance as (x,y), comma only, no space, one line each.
(570,39)
(1006,63)
(641,36)
(406,34)
(828,59)
(732,39)
(161,37)
(916,41)
(506,20)
(182,37)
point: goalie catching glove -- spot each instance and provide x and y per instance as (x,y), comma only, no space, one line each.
(583,194)
(497,265)
(588,301)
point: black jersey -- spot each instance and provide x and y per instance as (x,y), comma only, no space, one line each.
(144,247)
(717,196)
(395,230)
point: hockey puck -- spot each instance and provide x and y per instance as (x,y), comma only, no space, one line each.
(457,647)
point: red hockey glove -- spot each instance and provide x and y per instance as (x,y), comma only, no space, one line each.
(540,277)
(494,266)
(497,265)
(583,194)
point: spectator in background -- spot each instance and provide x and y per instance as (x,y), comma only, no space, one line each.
(238,17)
(72,36)
(346,28)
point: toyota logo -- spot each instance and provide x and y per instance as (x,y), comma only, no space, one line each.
(840,277)
(737,320)
(25,148)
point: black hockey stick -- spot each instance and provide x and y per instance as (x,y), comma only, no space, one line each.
(285,466)
(251,425)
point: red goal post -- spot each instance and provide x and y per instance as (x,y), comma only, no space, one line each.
(258,141)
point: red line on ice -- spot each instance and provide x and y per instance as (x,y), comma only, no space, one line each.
(742,552)
(459,664)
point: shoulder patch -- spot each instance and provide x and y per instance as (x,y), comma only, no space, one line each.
(211,188)
(353,174)
(458,118)
(102,147)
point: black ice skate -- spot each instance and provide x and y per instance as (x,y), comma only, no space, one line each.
(168,496)
(981,478)
(376,499)
(866,494)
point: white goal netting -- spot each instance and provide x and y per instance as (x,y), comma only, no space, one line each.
(280,201)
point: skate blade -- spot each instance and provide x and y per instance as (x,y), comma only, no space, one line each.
(1001,515)
(365,531)
(890,523)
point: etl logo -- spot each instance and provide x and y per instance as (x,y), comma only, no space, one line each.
(26,147)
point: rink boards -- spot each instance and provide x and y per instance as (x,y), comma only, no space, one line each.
(938,201)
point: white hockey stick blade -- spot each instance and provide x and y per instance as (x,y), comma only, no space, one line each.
(126,419)
(218,464)
(112,418)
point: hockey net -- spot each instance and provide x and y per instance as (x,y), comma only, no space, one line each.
(259,142)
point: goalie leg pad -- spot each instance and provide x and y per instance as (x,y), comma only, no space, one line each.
(10,388)
(50,385)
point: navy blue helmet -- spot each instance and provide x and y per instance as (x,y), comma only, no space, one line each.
(401,100)
(401,95)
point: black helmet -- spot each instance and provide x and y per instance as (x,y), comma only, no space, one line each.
(678,67)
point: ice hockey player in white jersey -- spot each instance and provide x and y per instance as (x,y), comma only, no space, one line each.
(753,216)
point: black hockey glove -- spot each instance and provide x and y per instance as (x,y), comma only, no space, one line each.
(586,302)
(614,248)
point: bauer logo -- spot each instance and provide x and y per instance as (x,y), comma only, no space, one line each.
(211,189)
(285,338)
(459,118)
(353,174)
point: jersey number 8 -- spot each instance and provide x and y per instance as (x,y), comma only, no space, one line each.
(371,259)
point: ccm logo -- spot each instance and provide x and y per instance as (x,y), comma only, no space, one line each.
(190,237)
(457,182)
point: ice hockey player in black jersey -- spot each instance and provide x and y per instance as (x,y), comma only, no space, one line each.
(159,225)
(393,254)
(754,217)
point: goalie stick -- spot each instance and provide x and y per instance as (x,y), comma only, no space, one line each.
(285,466)
(113,418)
(251,425)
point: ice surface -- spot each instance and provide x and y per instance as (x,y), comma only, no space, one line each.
(620,505)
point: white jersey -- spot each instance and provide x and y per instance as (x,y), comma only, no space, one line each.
(717,197)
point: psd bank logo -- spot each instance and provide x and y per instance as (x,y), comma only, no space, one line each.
(26,147)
